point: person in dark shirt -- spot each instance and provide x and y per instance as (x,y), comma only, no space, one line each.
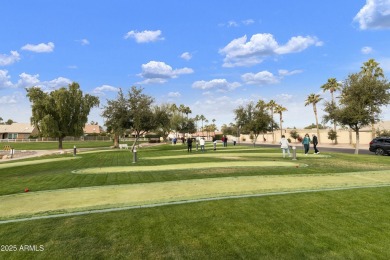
(189,144)
(315,143)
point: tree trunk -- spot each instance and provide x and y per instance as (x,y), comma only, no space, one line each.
(135,141)
(372,130)
(318,131)
(281,127)
(60,139)
(116,140)
(357,142)
(334,128)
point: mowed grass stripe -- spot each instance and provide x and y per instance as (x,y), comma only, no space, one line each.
(81,199)
(227,155)
(205,165)
(24,163)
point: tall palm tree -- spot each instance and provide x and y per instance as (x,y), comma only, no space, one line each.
(173,108)
(202,118)
(314,99)
(271,105)
(197,118)
(181,109)
(371,69)
(187,110)
(279,110)
(332,85)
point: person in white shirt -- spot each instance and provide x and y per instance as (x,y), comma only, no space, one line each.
(284,144)
(202,142)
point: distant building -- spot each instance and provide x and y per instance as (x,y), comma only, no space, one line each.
(17,131)
(92,129)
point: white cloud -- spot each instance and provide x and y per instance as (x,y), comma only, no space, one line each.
(104,88)
(84,42)
(221,84)
(5,80)
(9,59)
(240,52)
(375,14)
(186,56)
(248,22)
(366,50)
(260,78)
(160,72)
(284,73)
(174,94)
(42,47)
(298,44)
(7,100)
(282,98)
(27,80)
(232,24)
(145,36)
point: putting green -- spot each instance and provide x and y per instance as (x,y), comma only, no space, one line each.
(205,165)
(88,198)
(231,154)
(39,161)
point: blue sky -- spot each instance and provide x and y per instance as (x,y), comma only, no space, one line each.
(209,55)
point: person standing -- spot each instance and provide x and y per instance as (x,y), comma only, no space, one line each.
(306,143)
(189,144)
(284,144)
(215,143)
(202,142)
(315,143)
(225,140)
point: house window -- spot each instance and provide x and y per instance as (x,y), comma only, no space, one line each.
(12,135)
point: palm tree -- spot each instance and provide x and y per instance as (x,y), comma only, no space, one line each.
(202,118)
(174,108)
(314,99)
(181,109)
(197,118)
(271,105)
(279,110)
(332,85)
(187,110)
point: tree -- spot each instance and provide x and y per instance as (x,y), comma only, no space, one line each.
(62,112)
(117,117)
(230,129)
(271,105)
(372,70)
(141,115)
(332,135)
(294,134)
(9,122)
(254,119)
(163,116)
(360,102)
(279,110)
(332,85)
(320,126)
(202,118)
(314,99)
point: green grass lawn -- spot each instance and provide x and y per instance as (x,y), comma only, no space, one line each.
(344,224)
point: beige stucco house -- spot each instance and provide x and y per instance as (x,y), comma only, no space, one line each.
(17,131)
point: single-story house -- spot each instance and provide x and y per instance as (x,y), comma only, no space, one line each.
(17,131)
(92,129)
